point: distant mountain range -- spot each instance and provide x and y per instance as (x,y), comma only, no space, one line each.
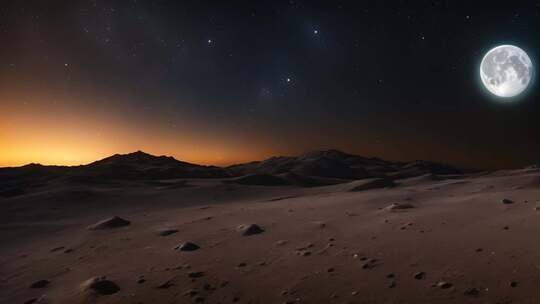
(311,169)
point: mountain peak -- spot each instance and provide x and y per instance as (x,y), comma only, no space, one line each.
(137,158)
(332,153)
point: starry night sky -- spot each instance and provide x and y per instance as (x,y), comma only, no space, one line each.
(219,82)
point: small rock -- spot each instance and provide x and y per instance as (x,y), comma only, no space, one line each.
(196,274)
(479,249)
(331,269)
(100,285)
(392,284)
(112,222)
(390,276)
(281,242)
(371,263)
(507,201)
(57,249)
(250,229)
(165,284)
(43,300)
(198,299)
(444,285)
(419,275)
(399,206)
(513,284)
(241,265)
(322,225)
(187,246)
(506,227)
(166,232)
(191,293)
(40,284)
(471,292)
(354,293)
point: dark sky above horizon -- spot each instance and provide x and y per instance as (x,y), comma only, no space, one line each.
(220,82)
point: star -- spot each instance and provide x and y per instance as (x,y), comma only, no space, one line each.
(288,80)
(316,32)
(209,41)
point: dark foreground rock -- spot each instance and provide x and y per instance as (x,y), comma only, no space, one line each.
(40,284)
(110,223)
(100,286)
(187,246)
(166,232)
(250,229)
(507,201)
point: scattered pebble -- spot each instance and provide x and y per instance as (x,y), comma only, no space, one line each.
(191,292)
(40,284)
(100,285)
(166,232)
(507,201)
(196,274)
(187,246)
(250,229)
(471,292)
(419,275)
(57,249)
(371,263)
(443,285)
(112,222)
(165,284)
(399,206)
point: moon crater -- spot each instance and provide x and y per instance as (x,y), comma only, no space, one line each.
(506,71)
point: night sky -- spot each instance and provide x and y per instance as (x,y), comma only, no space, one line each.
(220,82)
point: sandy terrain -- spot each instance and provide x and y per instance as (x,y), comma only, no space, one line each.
(459,243)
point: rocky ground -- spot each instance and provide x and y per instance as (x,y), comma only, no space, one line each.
(426,239)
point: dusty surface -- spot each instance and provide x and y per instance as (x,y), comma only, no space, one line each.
(319,245)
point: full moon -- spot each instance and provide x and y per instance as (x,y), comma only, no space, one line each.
(506,71)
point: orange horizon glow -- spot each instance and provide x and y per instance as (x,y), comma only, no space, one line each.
(50,131)
(60,129)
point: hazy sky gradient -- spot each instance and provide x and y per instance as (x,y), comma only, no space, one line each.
(220,82)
